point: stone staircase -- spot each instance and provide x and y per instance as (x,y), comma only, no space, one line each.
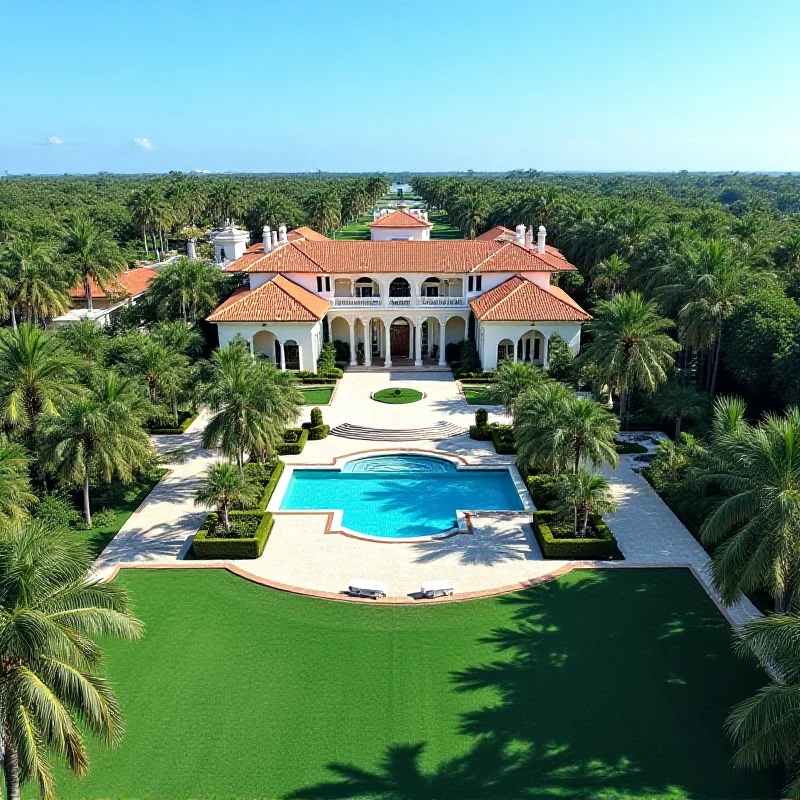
(442,430)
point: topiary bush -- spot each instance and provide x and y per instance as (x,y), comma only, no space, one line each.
(327,358)
(294,440)
(316,429)
(503,439)
(481,430)
(481,418)
(246,539)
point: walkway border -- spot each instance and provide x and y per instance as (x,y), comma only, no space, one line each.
(403,600)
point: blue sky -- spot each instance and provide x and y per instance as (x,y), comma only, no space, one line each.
(430,85)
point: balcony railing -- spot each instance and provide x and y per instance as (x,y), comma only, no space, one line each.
(397,302)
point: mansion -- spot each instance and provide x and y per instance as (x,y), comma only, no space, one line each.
(399,298)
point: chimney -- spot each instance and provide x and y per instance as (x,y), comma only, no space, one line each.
(540,238)
(267,239)
(273,240)
(529,238)
(520,237)
(282,234)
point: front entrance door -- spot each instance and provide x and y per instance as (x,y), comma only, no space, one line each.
(292,354)
(399,333)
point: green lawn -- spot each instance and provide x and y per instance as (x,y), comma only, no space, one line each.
(605,684)
(317,395)
(477,395)
(442,229)
(397,396)
(355,231)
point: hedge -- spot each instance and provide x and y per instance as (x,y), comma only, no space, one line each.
(503,440)
(333,373)
(173,431)
(628,448)
(601,548)
(481,433)
(294,440)
(270,486)
(317,382)
(206,546)
(542,489)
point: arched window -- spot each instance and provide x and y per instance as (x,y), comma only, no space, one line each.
(399,287)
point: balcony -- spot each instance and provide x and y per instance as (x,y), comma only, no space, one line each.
(398,302)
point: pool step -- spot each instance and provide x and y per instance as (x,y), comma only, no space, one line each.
(442,430)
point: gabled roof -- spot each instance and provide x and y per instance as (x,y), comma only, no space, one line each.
(307,233)
(127,284)
(440,255)
(399,219)
(501,234)
(277,300)
(520,300)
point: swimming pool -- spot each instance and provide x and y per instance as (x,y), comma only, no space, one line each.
(400,496)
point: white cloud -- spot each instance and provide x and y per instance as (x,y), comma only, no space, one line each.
(143,143)
(54,140)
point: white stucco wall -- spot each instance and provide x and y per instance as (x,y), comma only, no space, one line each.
(307,335)
(408,234)
(490,334)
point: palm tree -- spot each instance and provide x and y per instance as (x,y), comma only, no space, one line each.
(471,210)
(764,727)
(755,531)
(99,432)
(15,485)
(252,402)
(375,187)
(93,255)
(324,210)
(51,682)
(513,378)
(630,346)
(678,401)
(85,340)
(223,486)
(712,284)
(36,373)
(37,287)
(587,430)
(537,412)
(609,275)
(158,366)
(186,286)
(582,494)
(151,213)
(273,209)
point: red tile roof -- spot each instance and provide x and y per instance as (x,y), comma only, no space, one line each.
(399,219)
(310,234)
(277,300)
(501,234)
(443,255)
(521,300)
(127,284)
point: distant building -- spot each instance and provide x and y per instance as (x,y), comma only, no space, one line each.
(391,226)
(128,287)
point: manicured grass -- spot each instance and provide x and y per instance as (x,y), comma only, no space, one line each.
(317,395)
(477,395)
(356,230)
(442,229)
(605,684)
(397,396)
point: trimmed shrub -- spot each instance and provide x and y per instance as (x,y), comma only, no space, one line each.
(628,448)
(477,377)
(542,489)
(481,418)
(316,429)
(294,440)
(316,417)
(315,381)
(503,439)
(481,431)
(190,417)
(327,357)
(602,546)
(257,525)
(333,373)
(270,485)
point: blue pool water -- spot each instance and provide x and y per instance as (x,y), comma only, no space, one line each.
(400,496)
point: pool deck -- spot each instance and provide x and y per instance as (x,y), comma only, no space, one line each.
(499,552)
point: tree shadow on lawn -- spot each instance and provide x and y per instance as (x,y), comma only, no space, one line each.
(606,686)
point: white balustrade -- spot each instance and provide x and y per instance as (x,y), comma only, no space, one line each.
(356,302)
(397,302)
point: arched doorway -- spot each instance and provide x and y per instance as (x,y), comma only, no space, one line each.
(505,351)
(400,337)
(291,353)
(399,287)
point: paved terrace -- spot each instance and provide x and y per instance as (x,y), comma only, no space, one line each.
(500,555)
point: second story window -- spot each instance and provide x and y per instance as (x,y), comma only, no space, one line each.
(327,284)
(469,284)
(478,281)
(319,283)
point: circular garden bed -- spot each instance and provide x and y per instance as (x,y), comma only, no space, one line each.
(397,396)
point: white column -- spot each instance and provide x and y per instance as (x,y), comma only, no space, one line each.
(417,343)
(387,343)
(353,359)
(300,357)
(516,344)
(253,347)
(442,327)
(367,343)
(283,358)
(545,353)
